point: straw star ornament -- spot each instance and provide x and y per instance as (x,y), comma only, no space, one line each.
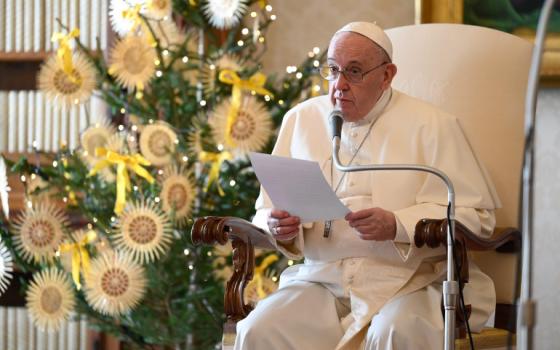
(250,129)
(132,62)
(157,143)
(115,284)
(39,231)
(143,231)
(50,299)
(177,193)
(67,88)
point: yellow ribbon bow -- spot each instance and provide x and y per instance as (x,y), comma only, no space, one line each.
(64,51)
(133,14)
(216,159)
(254,83)
(123,162)
(80,256)
(259,272)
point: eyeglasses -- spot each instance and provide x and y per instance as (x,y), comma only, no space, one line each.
(353,74)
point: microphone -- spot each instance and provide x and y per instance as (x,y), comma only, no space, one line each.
(335,122)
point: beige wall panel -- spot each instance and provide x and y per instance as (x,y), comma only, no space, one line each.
(302,25)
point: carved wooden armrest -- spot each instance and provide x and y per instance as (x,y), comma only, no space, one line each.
(433,233)
(244,237)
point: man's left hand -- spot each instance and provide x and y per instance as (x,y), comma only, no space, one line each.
(373,224)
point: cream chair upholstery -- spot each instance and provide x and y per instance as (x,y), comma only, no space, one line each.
(479,75)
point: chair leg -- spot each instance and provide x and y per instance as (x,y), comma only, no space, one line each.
(228,337)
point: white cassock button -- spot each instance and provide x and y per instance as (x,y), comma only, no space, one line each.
(353,134)
(351,183)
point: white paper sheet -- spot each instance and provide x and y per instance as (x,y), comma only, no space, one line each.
(297,186)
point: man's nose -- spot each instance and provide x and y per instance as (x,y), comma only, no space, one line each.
(341,83)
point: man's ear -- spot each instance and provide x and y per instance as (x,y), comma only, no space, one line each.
(390,72)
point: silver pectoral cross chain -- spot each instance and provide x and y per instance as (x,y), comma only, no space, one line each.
(327,231)
(328,223)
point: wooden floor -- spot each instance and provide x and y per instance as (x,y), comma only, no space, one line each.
(488,339)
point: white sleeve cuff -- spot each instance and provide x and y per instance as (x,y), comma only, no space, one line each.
(402,235)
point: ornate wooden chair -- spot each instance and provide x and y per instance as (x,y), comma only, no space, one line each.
(479,75)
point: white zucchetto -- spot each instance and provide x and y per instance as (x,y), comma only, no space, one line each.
(371,31)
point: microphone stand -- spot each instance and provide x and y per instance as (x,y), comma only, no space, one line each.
(526,306)
(450,286)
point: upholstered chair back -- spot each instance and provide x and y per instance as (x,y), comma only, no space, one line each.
(479,75)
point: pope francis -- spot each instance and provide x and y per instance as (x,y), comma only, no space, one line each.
(364,285)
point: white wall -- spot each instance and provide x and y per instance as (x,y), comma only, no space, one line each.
(546,243)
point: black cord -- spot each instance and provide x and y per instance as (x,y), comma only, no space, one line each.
(458,273)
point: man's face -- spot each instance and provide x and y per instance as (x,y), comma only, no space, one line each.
(352,51)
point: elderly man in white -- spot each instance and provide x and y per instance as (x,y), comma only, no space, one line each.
(364,285)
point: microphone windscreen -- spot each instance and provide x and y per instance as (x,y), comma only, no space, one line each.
(335,121)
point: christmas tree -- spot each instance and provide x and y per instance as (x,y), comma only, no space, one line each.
(188,101)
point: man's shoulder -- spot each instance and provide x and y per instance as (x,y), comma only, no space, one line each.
(313,106)
(422,110)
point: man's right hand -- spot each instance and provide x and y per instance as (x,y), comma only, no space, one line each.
(282,225)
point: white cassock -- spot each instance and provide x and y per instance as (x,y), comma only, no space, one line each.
(351,293)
